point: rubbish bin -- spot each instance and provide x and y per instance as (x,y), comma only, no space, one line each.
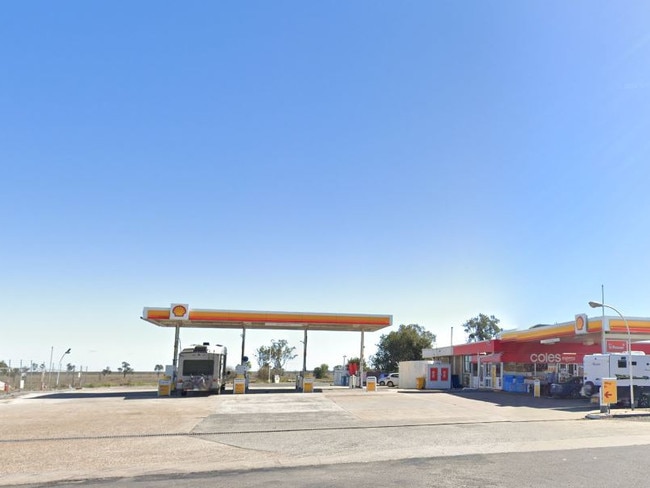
(371,383)
(419,382)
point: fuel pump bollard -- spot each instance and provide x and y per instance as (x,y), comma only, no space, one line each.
(239,384)
(308,383)
(165,386)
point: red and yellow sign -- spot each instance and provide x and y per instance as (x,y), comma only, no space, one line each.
(179,311)
(581,324)
(608,391)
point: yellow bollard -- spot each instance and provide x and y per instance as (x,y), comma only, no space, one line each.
(239,385)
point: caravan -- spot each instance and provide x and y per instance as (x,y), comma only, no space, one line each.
(599,366)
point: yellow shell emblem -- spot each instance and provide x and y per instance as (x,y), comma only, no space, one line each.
(179,311)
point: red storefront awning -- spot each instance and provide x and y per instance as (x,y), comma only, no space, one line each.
(488,358)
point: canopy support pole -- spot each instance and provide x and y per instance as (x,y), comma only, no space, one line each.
(304,355)
(177,336)
(361,361)
(243,345)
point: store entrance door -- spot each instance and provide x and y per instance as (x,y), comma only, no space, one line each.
(489,375)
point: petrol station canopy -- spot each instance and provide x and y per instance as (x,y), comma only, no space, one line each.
(584,330)
(179,315)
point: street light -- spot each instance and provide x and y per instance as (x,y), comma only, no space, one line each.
(629,346)
(61,361)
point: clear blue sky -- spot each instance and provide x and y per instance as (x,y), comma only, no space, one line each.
(432,160)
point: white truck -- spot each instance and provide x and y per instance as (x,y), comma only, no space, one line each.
(599,366)
(202,368)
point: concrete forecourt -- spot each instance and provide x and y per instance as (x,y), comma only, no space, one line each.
(113,433)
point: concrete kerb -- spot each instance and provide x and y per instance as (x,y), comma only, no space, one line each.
(625,414)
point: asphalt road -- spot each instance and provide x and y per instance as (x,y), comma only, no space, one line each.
(331,438)
(596,468)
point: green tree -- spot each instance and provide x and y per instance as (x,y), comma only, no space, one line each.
(404,344)
(70,369)
(263,355)
(264,372)
(158,368)
(276,355)
(321,371)
(482,328)
(125,369)
(106,370)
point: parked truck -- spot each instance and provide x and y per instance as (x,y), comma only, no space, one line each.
(599,366)
(202,368)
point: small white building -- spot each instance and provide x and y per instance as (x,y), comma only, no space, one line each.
(410,370)
(437,375)
(341,376)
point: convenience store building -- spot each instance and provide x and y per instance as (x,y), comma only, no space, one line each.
(548,353)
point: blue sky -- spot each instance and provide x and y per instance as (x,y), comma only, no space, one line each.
(429,160)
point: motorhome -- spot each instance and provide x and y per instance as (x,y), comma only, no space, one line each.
(202,368)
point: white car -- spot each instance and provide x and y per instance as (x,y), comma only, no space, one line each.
(390,380)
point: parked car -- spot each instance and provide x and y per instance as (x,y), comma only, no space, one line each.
(390,380)
(570,388)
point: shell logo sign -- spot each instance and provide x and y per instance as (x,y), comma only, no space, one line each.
(581,324)
(179,311)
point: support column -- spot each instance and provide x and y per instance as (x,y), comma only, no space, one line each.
(243,345)
(304,354)
(361,361)
(177,336)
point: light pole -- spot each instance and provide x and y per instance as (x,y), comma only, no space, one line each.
(629,346)
(61,361)
(49,377)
